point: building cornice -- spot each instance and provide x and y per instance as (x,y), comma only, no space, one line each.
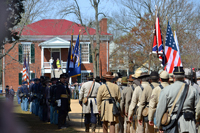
(65,37)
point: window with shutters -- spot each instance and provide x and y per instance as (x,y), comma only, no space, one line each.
(84,76)
(32,76)
(85,52)
(25,49)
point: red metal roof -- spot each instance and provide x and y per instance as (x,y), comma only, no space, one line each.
(56,27)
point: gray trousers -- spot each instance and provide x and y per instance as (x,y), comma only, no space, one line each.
(119,127)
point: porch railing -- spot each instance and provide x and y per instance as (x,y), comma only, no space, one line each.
(47,65)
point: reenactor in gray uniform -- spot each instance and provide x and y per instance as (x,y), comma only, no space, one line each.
(145,98)
(135,102)
(89,90)
(186,119)
(120,126)
(188,76)
(164,78)
(154,77)
(125,102)
(198,77)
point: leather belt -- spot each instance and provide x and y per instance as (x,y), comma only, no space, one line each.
(92,97)
(64,96)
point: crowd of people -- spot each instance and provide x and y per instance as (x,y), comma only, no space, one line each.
(142,102)
(47,98)
(153,103)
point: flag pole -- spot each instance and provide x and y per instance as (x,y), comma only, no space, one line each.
(79,37)
(79,47)
(150,56)
(28,77)
(72,43)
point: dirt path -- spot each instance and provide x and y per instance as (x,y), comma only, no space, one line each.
(34,125)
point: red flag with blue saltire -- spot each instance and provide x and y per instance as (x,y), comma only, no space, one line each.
(171,51)
(158,42)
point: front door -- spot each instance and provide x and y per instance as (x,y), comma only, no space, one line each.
(55,53)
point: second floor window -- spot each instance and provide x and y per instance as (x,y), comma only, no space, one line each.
(85,52)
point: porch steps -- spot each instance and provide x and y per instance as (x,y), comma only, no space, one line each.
(57,73)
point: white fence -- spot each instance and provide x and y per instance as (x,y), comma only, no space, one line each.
(47,65)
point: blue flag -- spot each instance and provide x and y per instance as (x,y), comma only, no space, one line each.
(74,60)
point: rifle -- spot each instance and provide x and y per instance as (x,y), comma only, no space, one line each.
(191,80)
(82,117)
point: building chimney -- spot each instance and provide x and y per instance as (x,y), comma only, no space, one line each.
(103,25)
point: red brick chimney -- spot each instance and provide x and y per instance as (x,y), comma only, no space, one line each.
(103,25)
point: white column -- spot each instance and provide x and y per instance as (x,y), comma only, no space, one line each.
(42,60)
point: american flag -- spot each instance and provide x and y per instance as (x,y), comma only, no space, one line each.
(24,70)
(171,51)
(176,41)
(27,71)
(157,41)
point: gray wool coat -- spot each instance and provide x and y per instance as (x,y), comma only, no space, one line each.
(166,99)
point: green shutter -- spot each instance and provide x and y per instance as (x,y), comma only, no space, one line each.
(20,53)
(20,78)
(32,75)
(90,54)
(79,79)
(32,53)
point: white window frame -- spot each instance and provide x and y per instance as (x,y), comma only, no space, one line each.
(26,43)
(85,71)
(88,43)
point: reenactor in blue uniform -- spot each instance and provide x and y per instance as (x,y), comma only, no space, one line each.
(68,92)
(31,95)
(25,91)
(62,102)
(42,100)
(46,97)
(36,96)
(52,99)
(7,91)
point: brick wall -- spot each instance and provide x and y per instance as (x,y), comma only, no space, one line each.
(13,67)
(64,54)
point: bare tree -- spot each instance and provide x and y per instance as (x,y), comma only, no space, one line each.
(73,8)
(33,10)
(182,14)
